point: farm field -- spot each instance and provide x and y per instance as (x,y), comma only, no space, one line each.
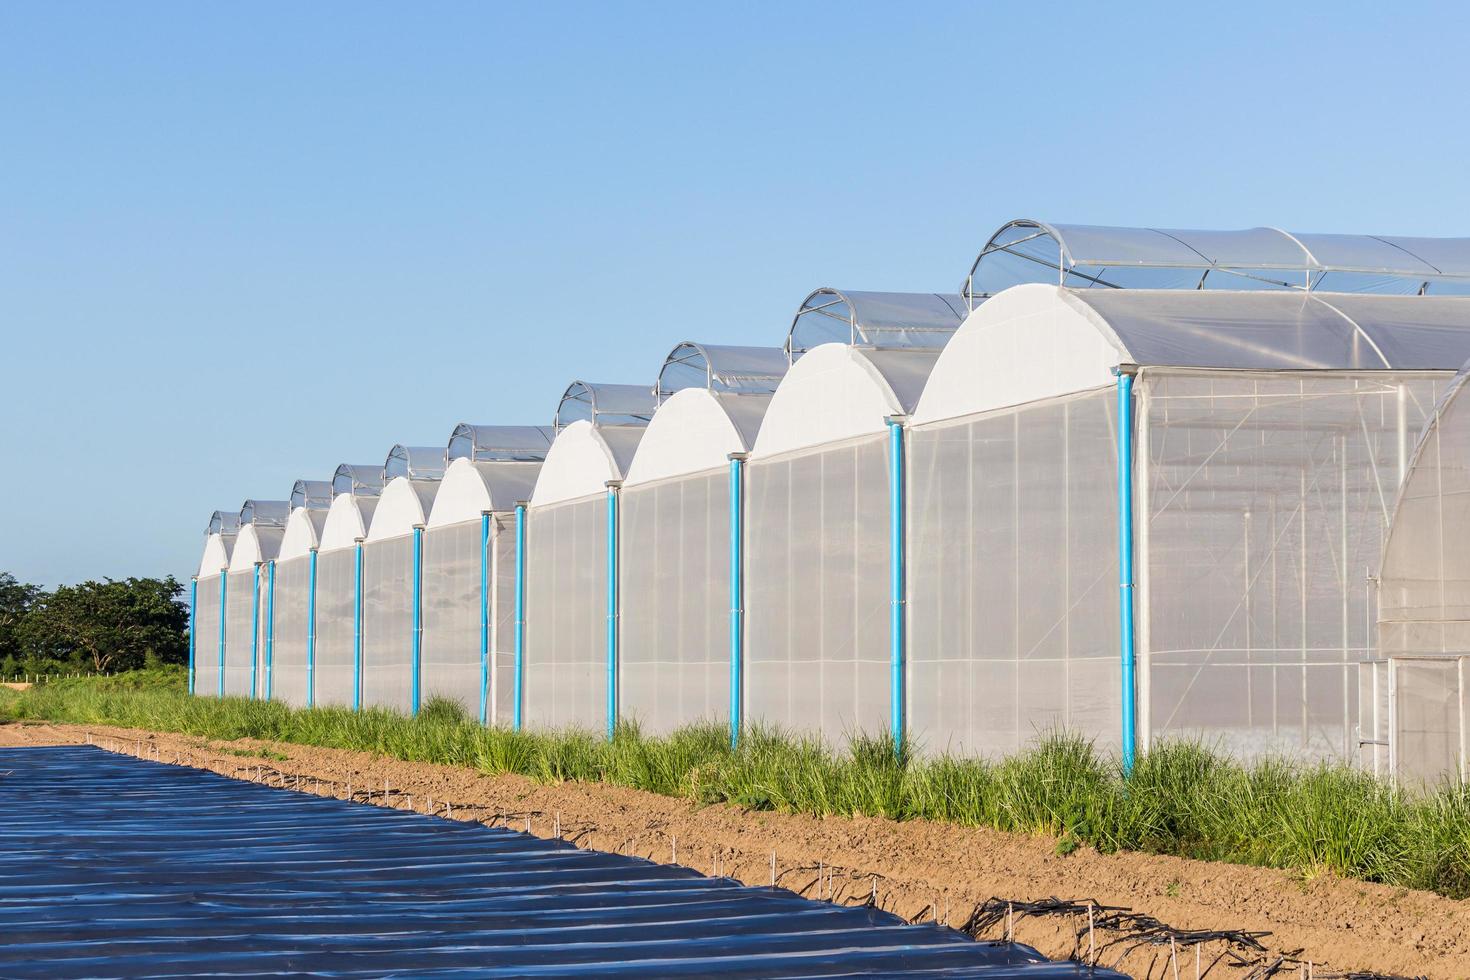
(916,867)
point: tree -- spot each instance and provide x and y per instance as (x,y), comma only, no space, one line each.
(16,600)
(109,625)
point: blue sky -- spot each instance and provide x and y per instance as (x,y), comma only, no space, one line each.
(240,244)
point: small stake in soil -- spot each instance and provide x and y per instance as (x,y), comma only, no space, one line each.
(773,869)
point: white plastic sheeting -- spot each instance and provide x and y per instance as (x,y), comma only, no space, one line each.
(817,590)
(334,677)
(565,657)
(240,624)
(387,623)
(1013,577)
(450,662)
(674,653)
(206,634)
(289,641)
(1265,498)
(1416,719)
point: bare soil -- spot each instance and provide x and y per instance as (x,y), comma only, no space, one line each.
(918,869)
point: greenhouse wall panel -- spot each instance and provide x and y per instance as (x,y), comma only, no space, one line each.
(387,623)
(1013,571)
(675,615)
(335,626)
(206,635)
(288,647)
(566,615)
(239,624)
(817,591)
(451,609)
(502,636)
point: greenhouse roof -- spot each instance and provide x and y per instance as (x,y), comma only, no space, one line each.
(414,462)
(224,522)
(720,368)
(1096,256)
(917,321)
(612,404)
(265,513)
(495,443)
(314,494)
(358,479)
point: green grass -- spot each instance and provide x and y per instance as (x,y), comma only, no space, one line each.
(1180,799)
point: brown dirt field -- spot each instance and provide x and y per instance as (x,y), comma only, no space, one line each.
(1338,926)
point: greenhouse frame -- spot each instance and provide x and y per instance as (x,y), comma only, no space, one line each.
(1136,483)
(249,597)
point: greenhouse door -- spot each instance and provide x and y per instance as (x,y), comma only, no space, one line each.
(1413,721)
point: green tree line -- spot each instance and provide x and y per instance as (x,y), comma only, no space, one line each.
(111,625)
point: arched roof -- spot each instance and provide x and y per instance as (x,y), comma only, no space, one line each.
(224,522)
(695,430)
(1034,341)
(217,549)
(914,321)
(836,392)
(491,443)
(348,519)
(717,367)
(314,494)
(358,479)
(583,459)
(403,505)
(303,532)
(471,488)
(256,543)
(604,404)
(1093,256)
(414,463)
(265,513)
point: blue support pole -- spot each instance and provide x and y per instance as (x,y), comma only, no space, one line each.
(520,611)
(896,505)
(485,618)
(193,606)
(418,617)
(254,629)
(1125,565)
(224,577)
(357,628)
(737,594)
(311,633)
(270,623)
(612,608)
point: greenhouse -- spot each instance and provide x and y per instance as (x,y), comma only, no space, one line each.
(249,591)
(336,644)
(207,625)
(1415,722)
(567,670)
(289,676)
(469,561)
(823,596)
(392,563)
(678,654)
(1271,430)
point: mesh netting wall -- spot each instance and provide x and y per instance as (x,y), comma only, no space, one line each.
(1013,577)
(288,647)
(503,617)
(817,587)
(674,646)
(1424,593)
(335,627)
(206,635)
(1266,500)
(387,623)
(239,625)
(450,667)
(1429,720)
(565,682)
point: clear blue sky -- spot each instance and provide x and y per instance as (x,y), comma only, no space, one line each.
(240,244)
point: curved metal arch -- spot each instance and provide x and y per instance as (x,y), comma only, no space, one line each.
(265,513)
(415,462)
(499,443)
(224,522)
(882,321)
(312,494)
(717,367)
(358,479)
(604,404)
